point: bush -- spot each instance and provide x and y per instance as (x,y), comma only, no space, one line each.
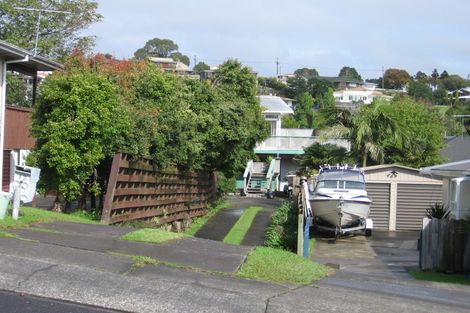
(225,185)
(282,233)
(437,210)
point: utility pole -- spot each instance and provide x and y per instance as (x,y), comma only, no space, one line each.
(38,23)
(383,78)
(277,67)
(195,61)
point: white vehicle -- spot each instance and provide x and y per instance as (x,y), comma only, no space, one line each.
(340,202)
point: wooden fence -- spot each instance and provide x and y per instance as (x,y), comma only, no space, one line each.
(138,191)
(445,245)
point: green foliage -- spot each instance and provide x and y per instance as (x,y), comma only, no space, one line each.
(201,67)
(78,123)
(156,47)
(282,233)
(437,210)
(30,216)
(420,90)
(225,185)
(270,85)
(279,266)
(178,56)
(237,233)
(288,121)
(319,154)
(460,109)
(59,33)
(306,72)
(421,134)
(351,72)
(328,99)
(17,92)
(304,111)
(440,96)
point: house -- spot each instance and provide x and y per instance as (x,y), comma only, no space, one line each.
(176,67)
(286,143)
(351,98)
(455,187)
(15,140)
(400,196)
(462,94)
(343,82)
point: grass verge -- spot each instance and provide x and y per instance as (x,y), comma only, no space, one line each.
(30,216)
(152,235)
(239,230)
(201,221)
(280,266)
(441,277)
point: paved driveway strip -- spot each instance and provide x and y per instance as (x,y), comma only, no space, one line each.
(193,252)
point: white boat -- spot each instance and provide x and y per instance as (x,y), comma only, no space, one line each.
(340,200)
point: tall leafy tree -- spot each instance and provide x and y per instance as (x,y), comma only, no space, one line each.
(319,154)
(421,76)
(420,90)
(396,78)
(306,72)
(350,72)
(201,67)
(59,33)
(422,134)
(304,111)
(162,48)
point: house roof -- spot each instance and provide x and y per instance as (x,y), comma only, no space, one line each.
(275,104)
(453,169)
(10,52)
(387,166)
(458,149)
(342,79)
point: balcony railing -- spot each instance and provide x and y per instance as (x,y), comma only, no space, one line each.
(295,145)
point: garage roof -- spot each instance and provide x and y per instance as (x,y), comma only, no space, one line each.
(453,169)
(10,52)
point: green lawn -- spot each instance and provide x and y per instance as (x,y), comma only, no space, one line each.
(152,235)
(30,216)
(281,266)
(441,277)
(239,230)
(197,223)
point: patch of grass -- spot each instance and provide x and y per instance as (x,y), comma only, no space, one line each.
(30,216)
(197,223)
(239,230)
(281,266)
(5,234)
(312,244)
(152,235)
(440,277)
(141,261)
(282,233)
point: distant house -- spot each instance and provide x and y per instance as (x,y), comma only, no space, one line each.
(284,78)
(350,98)
(462,94)
(286,143)
(343,82)
(176,67)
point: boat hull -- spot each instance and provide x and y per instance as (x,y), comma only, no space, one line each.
(340,212)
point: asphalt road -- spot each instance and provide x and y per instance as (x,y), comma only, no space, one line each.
(13,302)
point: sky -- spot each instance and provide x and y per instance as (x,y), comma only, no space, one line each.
(415,35)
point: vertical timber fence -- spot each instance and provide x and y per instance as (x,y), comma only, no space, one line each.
(138,191)
(445,245)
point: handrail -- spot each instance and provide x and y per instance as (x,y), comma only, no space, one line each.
(270,173)
(247,175)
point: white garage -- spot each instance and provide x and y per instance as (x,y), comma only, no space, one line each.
(400,196)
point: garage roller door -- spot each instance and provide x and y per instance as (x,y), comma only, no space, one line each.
(380,208)
(412,202)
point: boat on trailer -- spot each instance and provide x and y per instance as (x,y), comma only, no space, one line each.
(340,202)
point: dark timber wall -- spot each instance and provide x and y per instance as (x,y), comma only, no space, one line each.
(137,191)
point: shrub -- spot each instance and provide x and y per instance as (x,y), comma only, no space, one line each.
(282,233)
(437,210)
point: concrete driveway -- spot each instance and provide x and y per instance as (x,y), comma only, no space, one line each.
(384,254)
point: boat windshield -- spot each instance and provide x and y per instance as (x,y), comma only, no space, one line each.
(341,184)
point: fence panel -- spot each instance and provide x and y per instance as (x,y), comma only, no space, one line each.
(445,245)
(137,190)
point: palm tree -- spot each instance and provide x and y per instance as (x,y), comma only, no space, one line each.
(366,128)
